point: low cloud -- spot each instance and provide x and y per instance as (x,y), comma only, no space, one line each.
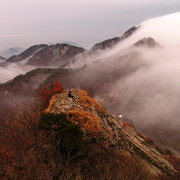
(139,82)
(142,83)
(12,70)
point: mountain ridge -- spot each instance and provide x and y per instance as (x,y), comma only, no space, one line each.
(44,55)
(97,77)
(104,126)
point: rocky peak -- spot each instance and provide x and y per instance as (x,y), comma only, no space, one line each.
(129,32)
(27,53)
(57,54)
(99,123)
(106,44)
(111,42)
(147,42)
(46,56)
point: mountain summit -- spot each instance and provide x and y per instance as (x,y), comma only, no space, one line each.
(100,126)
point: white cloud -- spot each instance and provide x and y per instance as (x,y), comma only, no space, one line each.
(12,70)
(146,87)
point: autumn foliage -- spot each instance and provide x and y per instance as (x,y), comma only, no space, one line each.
(89,102)
(89,121)
(48,146)
(47,92)
(18,141)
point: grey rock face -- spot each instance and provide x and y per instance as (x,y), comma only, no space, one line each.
(113,133)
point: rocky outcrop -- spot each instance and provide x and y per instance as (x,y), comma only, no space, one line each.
(99,123)
(129,32)
(111,42)
(147,42)
(58,54)
(106,44)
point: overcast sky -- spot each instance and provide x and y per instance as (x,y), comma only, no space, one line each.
(27,22)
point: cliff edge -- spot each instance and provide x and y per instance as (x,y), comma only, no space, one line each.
(96,122)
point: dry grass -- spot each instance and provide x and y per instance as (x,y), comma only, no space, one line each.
(88,103)
(89,121)
(50,103)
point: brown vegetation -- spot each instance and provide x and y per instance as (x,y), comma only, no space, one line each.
(89,121)
(28,152)
(47,92)
(88,103)
(174,160)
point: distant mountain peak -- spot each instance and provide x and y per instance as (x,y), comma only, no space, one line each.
(147,42)
(129,32)
(98,123)
(64,42)
(11,51)
(111,42)
(44,55)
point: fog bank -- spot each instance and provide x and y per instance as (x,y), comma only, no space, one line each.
(143,83)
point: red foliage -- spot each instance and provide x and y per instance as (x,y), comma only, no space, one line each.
(47,92)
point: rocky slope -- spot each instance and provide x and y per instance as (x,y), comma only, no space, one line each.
(27,54)
(55,55)
(111,42)
(100,124)
(45,56)
(147,42)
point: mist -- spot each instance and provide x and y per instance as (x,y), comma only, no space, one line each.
(150,96)
(142,83)
(139,82)
(12,70)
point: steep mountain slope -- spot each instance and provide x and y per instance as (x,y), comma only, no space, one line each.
(55,55)
(111,42)
(61,54)
(46,56)
(74,138)
(108,130)
(27,53)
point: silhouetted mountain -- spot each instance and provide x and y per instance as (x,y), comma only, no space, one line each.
(111,42)
(27,54)
(11,51)
(147,42)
